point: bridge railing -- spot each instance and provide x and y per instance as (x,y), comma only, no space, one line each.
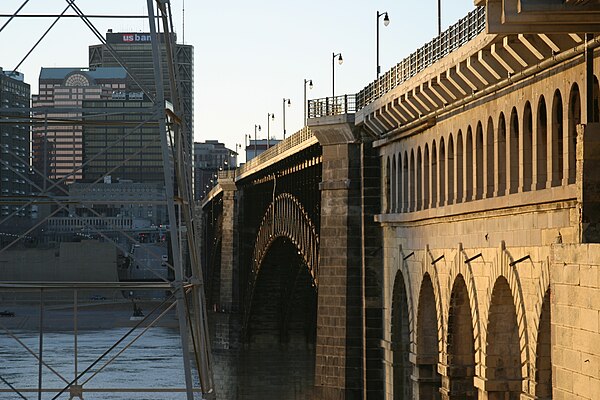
(290,142)
(329,106)
(451,39)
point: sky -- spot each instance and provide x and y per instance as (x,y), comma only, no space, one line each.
(248,55)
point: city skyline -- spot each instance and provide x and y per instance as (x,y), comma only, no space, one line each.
(263,51)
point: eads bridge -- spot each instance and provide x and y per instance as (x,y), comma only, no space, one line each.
(439,228)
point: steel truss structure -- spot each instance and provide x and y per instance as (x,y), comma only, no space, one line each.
(185,284)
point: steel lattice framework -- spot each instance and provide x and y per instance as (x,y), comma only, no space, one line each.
(183,283)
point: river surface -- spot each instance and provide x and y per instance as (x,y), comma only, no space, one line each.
(153,361)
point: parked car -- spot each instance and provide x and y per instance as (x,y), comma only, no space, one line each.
(97,297)
(7,313)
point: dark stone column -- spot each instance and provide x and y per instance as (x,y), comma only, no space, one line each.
(340,354)
(229,256)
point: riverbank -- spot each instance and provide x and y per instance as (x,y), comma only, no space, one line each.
(92,315)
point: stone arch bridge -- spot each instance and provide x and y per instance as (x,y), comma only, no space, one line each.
(440,227)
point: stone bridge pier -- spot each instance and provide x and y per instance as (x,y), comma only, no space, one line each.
(348,360)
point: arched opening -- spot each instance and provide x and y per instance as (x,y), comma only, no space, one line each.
(459,168)
(427,343)
(450,170)
(401,341)
(387,188)
(434,175)
(284,299)
(527,147)
(543,360)
(412,196)
(442,172)
(469,166)
(459,384)
(557,139)
(574,120)
(542,145)
(501,146)
(489,152)
(426,198)
(503,352)
(405,184)
(399,185)
(419,179)
(479,161)
(514,152)
(394,179)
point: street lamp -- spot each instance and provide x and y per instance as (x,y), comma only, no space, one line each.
(289,103)
(255,127)
(439,17)
(386,22)
(340,61)
(310,86)
(270,117)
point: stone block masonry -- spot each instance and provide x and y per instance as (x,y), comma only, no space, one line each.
(575,299)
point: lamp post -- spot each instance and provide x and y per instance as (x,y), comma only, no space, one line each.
(439,17)
(386,22)
(340,61)
(310,86)
(255,128)
(270,117)
(289,103)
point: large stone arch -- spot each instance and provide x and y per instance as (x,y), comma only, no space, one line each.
(458,381)
(543,359)
(402,322)
(502,268)
(428,327)
(542,339)
(459,267)
(284,218)
(503,354)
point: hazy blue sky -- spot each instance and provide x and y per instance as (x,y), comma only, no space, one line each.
(249,55)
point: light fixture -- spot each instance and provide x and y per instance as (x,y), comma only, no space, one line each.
(386,22)
(310,86)
(289,103)
(340,61)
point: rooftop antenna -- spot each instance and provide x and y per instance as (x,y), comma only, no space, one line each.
(183,20)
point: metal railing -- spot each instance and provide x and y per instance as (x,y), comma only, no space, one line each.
(451,39)
(290,142)
(329,106)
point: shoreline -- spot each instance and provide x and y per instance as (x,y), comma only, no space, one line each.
(91,315)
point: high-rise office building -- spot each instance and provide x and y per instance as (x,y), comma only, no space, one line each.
(135,51)
(14,141)
(210,157)
(57,144)
(119,145)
